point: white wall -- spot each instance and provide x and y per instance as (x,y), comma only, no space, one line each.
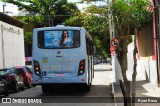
(146,67)
(1,61)
(13,43)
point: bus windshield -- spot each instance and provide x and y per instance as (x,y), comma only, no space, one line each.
(57,39)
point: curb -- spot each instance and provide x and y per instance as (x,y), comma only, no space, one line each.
(116,91)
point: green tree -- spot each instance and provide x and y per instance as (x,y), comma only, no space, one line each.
(28,43)
(45,12)
(95,20)
(129,16)
(28,38)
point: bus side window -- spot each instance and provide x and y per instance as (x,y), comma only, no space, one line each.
(76,39)
(91,48)
(40,39)
(88,44)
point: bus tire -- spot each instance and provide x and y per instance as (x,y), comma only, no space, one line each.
(45,89)
(84,88)
(87,88)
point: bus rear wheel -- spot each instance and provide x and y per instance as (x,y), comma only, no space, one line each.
(84,87)
(45,89)
(87,88)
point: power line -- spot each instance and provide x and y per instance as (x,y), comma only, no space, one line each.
(4,5)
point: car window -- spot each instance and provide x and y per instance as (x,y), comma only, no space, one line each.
(4,71)
(11,70)
(28,70)
(19,71)
(14,71)
(0,77)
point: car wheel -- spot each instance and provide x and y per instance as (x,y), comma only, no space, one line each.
(16,88)
(29,84)
(34,85)
(23,88)
(6,93)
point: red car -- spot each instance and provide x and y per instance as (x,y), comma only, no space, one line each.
(26,73)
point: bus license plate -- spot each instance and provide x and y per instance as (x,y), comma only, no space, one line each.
(59,74)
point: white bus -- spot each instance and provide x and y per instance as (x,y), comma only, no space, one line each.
(62,55)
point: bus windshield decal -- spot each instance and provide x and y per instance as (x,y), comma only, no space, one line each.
(55,39)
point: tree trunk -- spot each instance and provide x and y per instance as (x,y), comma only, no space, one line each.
(123,92)
(134,72)
(48,19)
(122,58)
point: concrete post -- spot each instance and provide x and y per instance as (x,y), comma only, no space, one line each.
(116,69)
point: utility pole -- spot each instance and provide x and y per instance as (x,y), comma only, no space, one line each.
(3,55)
(157,22)
(5,12)
(115,64)
(4,5)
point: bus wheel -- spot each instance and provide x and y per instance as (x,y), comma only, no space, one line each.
(87,88)
(45,89)
(84,88)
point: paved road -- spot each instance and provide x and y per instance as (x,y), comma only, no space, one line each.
(100,88)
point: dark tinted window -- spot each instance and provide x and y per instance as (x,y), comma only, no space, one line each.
(19,71)
(89,44)
(4,71)
(28,70)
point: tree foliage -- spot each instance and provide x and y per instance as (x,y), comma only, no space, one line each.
(95,20)
(28,38)
(45,12)
(129,17)
(130,14)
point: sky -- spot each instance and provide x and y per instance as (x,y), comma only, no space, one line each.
(13,10)
(9,8)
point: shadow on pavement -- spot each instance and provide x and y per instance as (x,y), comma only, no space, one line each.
(68,90)
(71,94)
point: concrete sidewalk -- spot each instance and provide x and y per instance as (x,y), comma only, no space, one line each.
(103,66)
(144,91)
